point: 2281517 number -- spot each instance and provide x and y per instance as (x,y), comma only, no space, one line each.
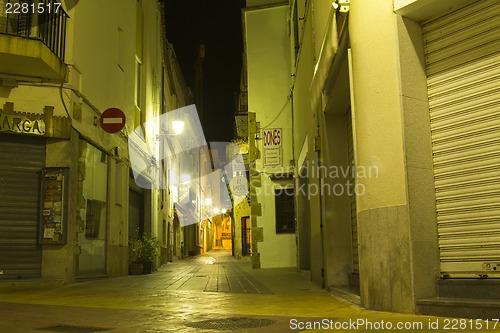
(32,8)
(469,324)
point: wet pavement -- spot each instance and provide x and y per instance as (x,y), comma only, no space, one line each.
(208,293)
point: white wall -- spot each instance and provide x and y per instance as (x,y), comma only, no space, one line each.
(269,80)
(101,47)
(103,38)
(420,10)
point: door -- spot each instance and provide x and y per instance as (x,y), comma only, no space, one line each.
(135,212)
(463,82)
(304,225)
(22,159)
(245,236)
(352,197)
(92,218)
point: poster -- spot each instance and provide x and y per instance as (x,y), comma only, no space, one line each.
(53,211)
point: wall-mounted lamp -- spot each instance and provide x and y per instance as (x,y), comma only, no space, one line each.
(344,5)
(177,127)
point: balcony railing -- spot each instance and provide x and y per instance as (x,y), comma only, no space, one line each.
(43,20)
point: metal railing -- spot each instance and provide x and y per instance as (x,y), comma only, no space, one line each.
(44,20)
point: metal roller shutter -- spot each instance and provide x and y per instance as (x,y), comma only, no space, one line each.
(463,76)
(22,159)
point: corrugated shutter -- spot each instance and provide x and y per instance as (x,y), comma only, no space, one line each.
(352,198)
(463,75)
(22,159)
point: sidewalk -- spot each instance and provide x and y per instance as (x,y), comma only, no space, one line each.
(208,293)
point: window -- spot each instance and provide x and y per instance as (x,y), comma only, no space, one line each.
(121,49)
(285,210)
(163,100)
(140,117)
(295,20)
(138,82)
(91,210)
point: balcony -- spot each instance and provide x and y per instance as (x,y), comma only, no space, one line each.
(33,38)
(243,102)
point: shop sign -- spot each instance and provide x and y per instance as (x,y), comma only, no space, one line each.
(239,186)
(271,142)
(21,124)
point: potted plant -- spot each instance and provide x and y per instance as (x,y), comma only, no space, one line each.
(143,250)
(134,267)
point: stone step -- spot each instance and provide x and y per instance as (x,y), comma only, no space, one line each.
(460,307)
(349,294)
(469,288)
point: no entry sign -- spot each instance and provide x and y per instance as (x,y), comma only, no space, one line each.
(112,120)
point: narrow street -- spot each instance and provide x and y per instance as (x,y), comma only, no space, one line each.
(208,293)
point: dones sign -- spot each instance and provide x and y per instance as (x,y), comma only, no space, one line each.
(271,144)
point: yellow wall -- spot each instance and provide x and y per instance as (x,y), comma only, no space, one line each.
(377,103)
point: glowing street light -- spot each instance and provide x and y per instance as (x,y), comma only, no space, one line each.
(178,126)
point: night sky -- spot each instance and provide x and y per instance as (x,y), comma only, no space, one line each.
(217,24)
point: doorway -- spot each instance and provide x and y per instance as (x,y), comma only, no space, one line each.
(92,213)
(246,243)
(304,224)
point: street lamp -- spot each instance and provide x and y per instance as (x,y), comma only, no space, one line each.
(177,127)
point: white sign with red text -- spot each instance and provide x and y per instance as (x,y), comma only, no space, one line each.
(271,145)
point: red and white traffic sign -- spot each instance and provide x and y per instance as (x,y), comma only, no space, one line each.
(112,120)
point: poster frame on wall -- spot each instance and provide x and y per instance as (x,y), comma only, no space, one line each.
(53,221)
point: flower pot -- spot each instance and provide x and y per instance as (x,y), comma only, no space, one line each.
(147,267)
(135,268)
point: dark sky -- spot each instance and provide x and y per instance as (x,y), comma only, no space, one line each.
(217,24)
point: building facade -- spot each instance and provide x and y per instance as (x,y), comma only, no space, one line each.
(237,183)
(175,96)
(268,63)
(394,112)
(70,198)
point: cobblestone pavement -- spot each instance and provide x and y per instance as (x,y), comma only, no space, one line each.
(208,293)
